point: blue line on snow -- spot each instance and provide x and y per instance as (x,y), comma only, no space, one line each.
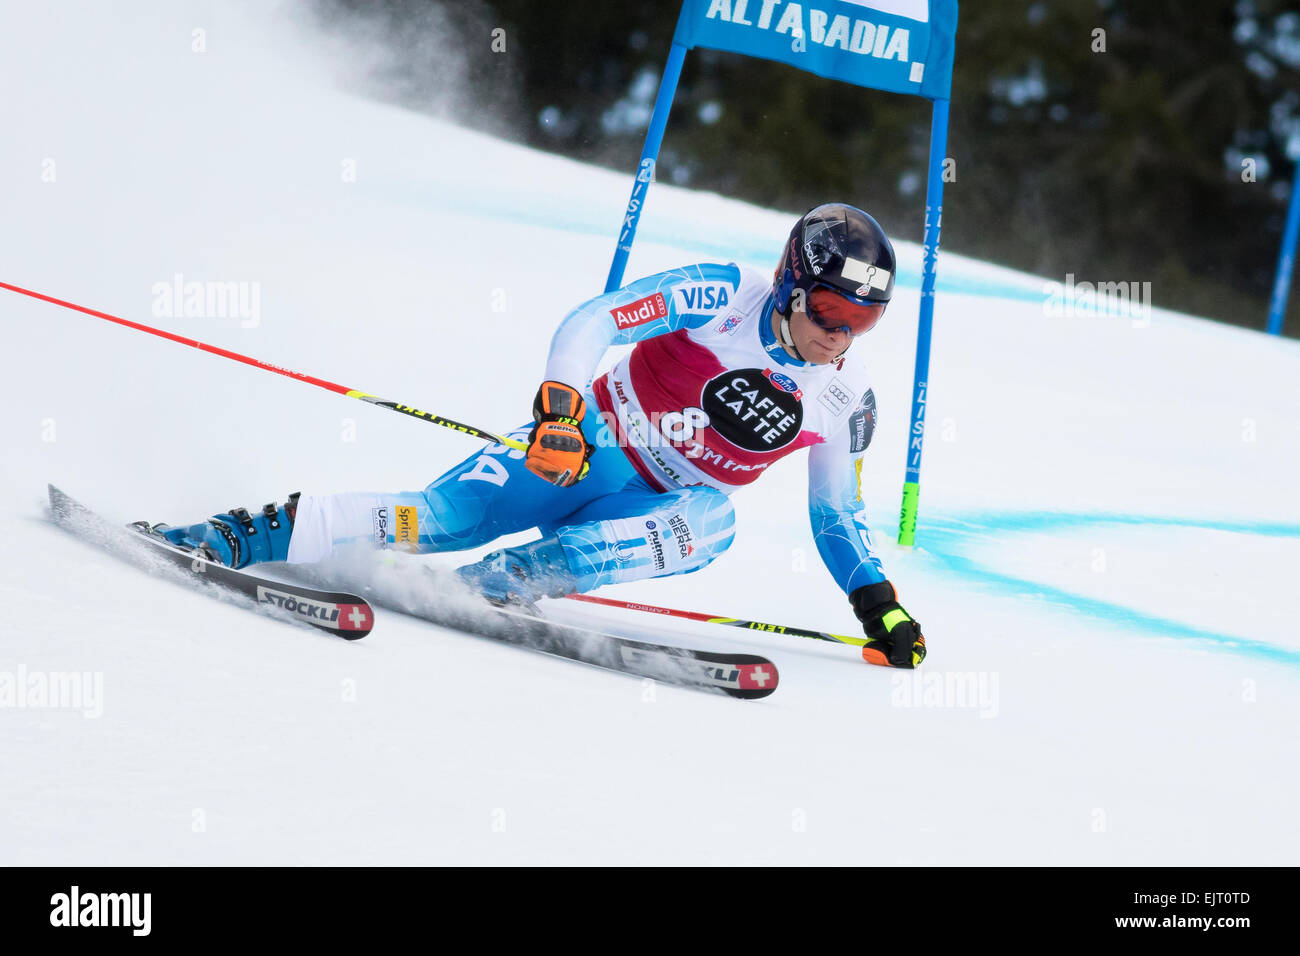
(946,536)
(532,211)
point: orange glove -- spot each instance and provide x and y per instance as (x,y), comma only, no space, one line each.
(557,449)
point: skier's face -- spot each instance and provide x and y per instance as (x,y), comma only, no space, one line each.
(814,343)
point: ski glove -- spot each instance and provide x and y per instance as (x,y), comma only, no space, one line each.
(893,638)
(557,449)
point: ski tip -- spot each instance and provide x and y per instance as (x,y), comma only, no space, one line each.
(756,680)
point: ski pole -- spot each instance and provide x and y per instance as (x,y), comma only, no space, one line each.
(257,363)
(719,619)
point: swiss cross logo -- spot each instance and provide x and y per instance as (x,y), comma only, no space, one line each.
(641,311)
(353,617)
(757,676)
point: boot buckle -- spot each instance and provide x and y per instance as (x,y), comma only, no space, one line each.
(245,521)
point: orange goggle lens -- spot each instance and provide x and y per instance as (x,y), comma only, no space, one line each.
(831,311)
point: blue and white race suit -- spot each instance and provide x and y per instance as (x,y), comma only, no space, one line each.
(704,403)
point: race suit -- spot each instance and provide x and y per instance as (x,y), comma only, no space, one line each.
(705,402)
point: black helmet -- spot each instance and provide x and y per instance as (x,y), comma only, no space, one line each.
(842,262)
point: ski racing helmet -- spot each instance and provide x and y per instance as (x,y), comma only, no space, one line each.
(838,267)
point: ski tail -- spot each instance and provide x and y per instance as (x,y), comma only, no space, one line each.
(346,615)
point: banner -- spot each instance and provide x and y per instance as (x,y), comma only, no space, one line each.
(904,46)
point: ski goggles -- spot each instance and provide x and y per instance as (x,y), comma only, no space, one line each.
(831,310)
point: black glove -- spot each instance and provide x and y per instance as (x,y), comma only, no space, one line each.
(893,638)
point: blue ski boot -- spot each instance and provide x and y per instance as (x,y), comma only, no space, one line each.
(236,538)
(522,575)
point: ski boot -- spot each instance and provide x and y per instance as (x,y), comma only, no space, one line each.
(236,538)
(520,576)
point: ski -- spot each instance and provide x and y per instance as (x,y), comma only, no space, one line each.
(746,676)
(345,615)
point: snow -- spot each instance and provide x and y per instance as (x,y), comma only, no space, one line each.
(1107,549)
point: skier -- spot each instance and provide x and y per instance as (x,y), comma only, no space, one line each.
(729,373)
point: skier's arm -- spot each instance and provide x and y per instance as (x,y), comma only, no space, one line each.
(844,542)
(835,508)
(641,310)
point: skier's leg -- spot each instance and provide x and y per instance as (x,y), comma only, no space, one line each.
(463,509)
(626,536)
(489,494)
(631,536)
